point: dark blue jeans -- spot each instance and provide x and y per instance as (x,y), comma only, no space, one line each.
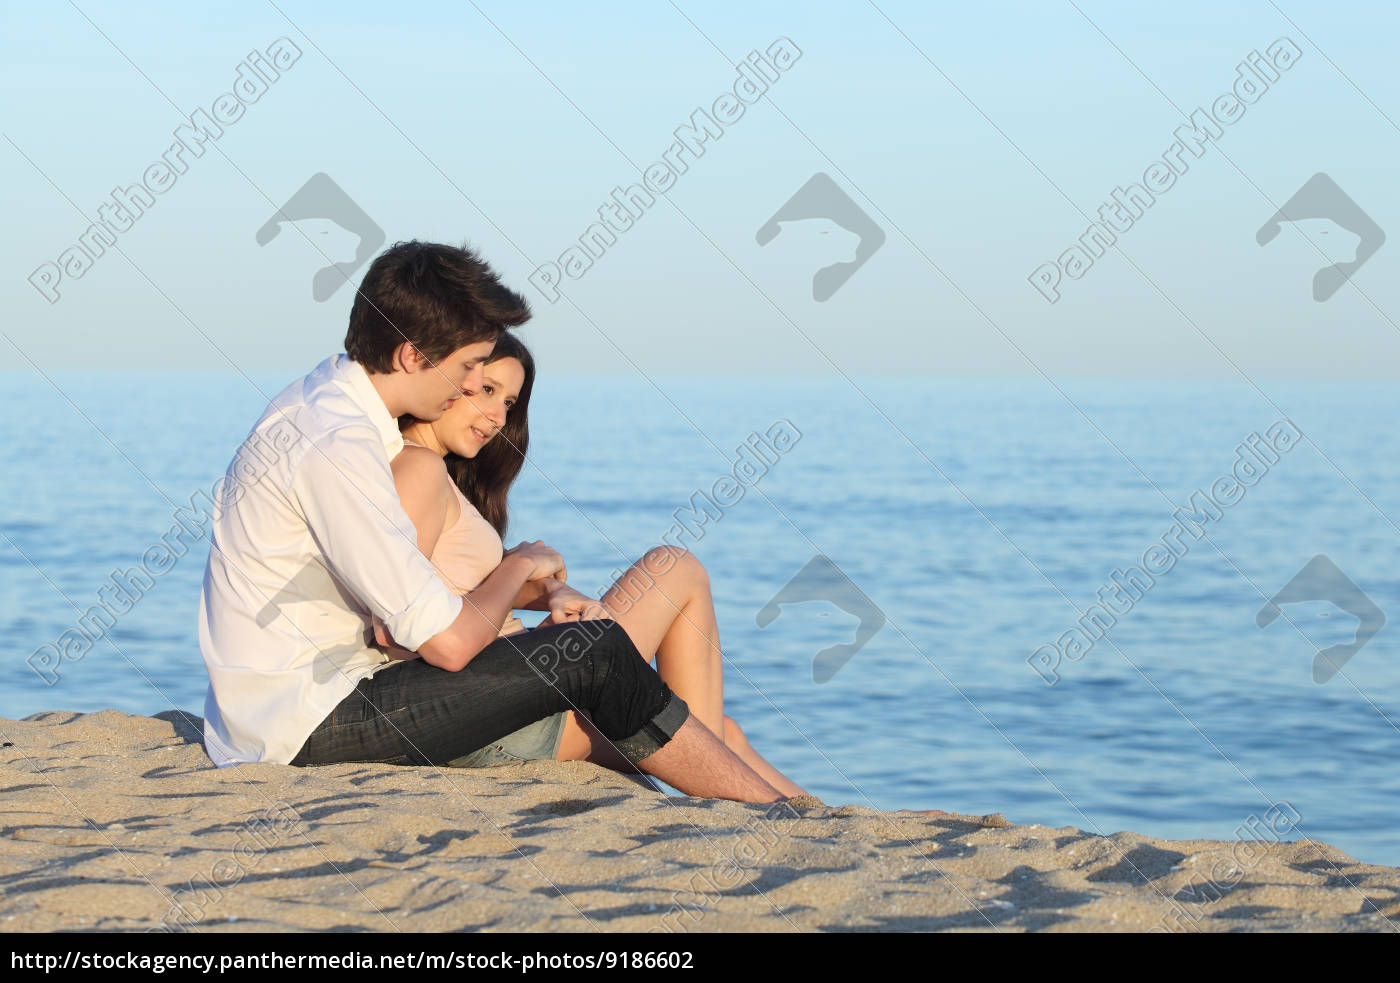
(417,714)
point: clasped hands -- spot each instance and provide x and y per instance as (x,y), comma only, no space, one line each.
(550,574)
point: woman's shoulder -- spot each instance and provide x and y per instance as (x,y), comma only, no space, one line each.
(419,468)
(415,458)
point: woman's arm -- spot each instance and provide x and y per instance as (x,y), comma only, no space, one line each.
(426,495)
(421,479)
(534,594)
(561,601)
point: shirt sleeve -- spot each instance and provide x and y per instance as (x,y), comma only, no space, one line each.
(346,492)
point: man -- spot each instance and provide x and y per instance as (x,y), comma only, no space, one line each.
(309,544)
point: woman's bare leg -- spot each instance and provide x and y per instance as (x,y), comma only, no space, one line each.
(584,742)
(736,741)
(663,602)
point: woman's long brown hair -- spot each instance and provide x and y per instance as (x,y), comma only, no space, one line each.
(486,479)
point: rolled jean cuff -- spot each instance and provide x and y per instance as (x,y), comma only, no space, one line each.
(657,732)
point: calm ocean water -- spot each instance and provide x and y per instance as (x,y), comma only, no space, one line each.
(977,517)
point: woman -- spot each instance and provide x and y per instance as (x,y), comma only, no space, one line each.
(453,477)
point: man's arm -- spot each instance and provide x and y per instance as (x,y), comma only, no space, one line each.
(344,490)
(473,628)
(484,611)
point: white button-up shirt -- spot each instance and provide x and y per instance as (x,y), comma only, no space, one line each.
(308,539)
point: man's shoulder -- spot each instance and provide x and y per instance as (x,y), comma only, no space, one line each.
(318,405)
(314,413)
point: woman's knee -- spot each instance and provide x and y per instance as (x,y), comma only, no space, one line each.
(673,561)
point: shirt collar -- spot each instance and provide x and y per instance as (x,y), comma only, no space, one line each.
(364,394)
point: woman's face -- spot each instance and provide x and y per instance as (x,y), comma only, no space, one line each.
(479,414)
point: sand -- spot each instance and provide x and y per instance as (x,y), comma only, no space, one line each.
(114,822)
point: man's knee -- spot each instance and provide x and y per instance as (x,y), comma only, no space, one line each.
(629,700)
(614,649)
(575,646)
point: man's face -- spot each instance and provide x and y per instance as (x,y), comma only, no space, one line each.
(437,387)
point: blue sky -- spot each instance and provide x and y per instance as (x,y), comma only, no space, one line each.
(977,137)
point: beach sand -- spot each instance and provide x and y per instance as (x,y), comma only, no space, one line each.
(114,822)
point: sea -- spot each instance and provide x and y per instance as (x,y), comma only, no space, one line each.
(1095,603)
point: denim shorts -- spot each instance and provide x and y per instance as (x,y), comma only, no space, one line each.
(533,742)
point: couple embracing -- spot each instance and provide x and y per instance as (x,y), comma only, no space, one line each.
(358,604)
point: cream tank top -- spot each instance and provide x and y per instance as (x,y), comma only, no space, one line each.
(468,551)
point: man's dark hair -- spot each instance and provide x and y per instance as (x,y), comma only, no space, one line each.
(440,298)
